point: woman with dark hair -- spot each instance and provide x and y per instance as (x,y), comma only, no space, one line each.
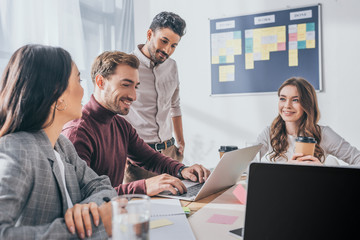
(299,116)
(43,182)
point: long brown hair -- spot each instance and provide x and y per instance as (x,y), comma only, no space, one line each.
(308,122)
(35,77)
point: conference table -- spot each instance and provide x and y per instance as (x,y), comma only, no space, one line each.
(223,208)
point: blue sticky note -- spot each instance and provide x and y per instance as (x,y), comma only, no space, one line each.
(301,44)
(237,35)
(248,45)
(222,59)
(310,27)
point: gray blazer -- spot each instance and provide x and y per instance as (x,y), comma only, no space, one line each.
(32,196)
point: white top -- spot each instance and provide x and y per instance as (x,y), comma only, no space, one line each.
(62,172)
(331,143)
(157,100)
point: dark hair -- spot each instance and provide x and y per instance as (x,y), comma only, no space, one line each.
(308,122)
(105,64)
(169,20)
(35,77)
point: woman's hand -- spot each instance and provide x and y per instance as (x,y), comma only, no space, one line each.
(79,216)
(299,158)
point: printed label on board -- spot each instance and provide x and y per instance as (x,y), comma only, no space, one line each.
(264,19)
(225,25)
(300,15)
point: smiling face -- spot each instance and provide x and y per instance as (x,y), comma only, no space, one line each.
(290,108)
(160,44)
(119,89)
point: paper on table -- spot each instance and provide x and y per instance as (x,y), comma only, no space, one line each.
(222,219)
(171,210)
(240,194)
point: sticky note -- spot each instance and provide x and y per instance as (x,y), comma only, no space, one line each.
(237,35)
(160,223)
(293,57)
(292,37)
(249,61)
(186,209)
(301,44)
(240,193)
(310,27)
(281,46)
(222,219)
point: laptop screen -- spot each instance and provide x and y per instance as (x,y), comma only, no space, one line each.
(302,202)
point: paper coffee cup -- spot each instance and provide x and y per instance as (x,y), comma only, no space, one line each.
(224,149)
(305,145)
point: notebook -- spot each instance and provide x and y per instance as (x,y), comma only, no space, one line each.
(226,173)
(302,202)
(170,211)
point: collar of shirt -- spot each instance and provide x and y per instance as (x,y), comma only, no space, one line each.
(142,58)
(98,112)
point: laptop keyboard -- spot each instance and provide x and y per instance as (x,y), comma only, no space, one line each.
(193,190)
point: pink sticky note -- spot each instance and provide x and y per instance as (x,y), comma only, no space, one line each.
(281,46)
(240,193)
(292,37)
(222,219)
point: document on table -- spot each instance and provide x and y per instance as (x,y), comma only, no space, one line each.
(176,225)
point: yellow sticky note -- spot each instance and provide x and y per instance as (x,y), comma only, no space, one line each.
(281,34)
(237,46)
(230,43)
(310,43)
(272,47)
(265,55)
(222,51)
(160,223)
(226,73)
(293,57)
(301,36)
(249,61)
(230,59)
(215,60)
(301,28)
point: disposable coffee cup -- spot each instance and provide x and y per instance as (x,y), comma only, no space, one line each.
(224,149)
(305,145)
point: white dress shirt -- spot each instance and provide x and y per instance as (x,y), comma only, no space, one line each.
(332,144)
(157,101)
(62,172)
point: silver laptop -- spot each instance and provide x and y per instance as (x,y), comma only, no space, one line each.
(226,173)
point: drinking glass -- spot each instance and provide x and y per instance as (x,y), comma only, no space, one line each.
(130,217)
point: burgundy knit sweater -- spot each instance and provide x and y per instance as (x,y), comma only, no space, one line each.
(104,140)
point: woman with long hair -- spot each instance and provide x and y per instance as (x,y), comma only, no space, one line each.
(43,182)
(299,116)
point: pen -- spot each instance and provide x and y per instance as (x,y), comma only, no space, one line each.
(106,199)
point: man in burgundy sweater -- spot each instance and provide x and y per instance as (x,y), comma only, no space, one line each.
(104,139)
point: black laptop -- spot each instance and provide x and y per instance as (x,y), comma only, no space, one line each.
(302,202)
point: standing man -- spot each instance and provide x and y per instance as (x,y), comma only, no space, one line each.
(104,139)
(156,112)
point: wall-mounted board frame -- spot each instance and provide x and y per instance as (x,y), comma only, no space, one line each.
(256,53)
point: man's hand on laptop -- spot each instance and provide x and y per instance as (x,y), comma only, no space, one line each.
(196,173)
(164,182)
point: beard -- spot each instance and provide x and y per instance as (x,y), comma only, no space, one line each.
(153,53)
(114,106)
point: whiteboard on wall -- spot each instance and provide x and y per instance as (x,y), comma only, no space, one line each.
(256,53)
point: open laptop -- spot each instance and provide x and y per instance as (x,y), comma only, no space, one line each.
(226,173)
(302,202)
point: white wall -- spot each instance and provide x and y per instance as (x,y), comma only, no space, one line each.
(237,120)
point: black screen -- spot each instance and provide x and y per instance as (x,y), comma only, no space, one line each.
(302,202)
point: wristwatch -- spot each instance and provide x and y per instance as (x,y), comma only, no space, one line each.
(179,175)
